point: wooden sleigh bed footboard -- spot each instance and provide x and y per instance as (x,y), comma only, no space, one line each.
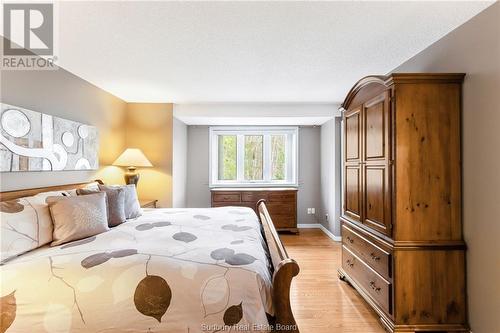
(284,270)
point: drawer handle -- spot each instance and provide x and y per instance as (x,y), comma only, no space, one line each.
(350,240)
(350,263)
(374,286)
(374,257)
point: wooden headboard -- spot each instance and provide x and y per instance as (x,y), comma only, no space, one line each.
(11,195)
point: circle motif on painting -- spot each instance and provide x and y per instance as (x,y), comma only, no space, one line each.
(15,123)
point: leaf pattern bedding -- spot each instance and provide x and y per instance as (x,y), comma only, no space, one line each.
(171,270)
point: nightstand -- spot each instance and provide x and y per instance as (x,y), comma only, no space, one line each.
(148,203)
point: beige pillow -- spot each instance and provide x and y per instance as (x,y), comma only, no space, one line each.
(25,224)
(77,217)
(115,203)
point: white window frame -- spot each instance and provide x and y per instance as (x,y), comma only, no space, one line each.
(291,153)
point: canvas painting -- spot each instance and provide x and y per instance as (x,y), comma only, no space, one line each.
(33,141)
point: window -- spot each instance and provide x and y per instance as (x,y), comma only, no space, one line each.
(253,156)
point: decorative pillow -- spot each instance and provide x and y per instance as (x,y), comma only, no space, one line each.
(25,224)
(115,200)
(132,205)
(78,217)
(86,191)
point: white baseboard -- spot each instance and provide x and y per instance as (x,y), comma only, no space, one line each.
(320,226)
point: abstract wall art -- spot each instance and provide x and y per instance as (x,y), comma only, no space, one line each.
(33,141)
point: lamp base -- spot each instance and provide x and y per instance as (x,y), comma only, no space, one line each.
(131,176)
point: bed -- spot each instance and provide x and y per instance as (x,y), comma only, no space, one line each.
(170,270)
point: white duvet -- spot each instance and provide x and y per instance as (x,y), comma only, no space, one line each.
(171,270)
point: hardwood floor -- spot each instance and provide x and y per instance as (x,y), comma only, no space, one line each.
(320,301)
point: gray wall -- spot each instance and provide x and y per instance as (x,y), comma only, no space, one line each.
(330,175)
(309,195)
(179,164)
(198,194)
(474,48)
(62,94)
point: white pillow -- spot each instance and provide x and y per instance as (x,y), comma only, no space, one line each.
(25,224)
(90,186)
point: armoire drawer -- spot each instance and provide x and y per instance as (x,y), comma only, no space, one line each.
(374,256)
(379,289)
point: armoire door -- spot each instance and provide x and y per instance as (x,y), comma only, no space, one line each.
(376,167)
(352,164)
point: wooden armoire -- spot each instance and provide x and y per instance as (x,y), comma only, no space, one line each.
(402,244)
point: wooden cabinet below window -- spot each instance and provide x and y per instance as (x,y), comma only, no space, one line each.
(281,203)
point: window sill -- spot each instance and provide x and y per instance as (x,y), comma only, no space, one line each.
(260,187)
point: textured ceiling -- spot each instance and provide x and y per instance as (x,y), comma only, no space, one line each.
(246,51)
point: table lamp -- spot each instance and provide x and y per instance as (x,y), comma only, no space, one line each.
(132,158)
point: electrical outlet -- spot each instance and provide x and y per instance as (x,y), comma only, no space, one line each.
(309,211)
(326,217)
(313,210)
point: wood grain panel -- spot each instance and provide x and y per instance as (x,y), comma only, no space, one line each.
(353,135)
(430,286)
(428,162)
(376,214)
(353,192)
(375,128)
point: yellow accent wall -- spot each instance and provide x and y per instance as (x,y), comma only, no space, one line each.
(149,127)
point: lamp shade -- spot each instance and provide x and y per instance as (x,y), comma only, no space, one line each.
(132,157)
